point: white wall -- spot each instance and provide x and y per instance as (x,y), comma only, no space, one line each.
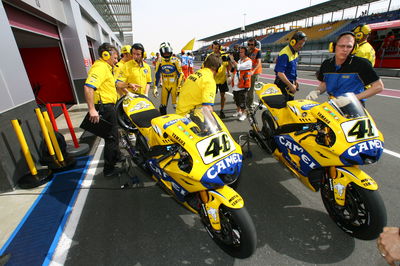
(15,88)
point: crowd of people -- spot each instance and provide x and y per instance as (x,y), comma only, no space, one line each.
(349,70)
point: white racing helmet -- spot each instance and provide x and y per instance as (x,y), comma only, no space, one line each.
(165,50)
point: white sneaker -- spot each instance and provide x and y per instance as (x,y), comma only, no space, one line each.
(242,117)
(237,114)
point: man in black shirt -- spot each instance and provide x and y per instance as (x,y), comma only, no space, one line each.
(346,73)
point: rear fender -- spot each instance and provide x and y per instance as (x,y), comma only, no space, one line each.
(347,175)
(225,196)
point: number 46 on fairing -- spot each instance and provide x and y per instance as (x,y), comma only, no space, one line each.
(215,147)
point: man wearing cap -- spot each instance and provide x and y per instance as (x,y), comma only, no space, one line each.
(135,75)
(364,48)
(125,57)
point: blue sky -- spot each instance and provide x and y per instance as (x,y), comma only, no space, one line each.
(177,22)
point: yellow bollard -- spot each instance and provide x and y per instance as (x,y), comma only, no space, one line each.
(24,147)
(45,132)
(53,137)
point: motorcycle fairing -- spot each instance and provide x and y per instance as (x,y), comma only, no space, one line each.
(215,147)
(185,120)
(298,111)
(161,175)
(295,154)
(308,106)
(368,151)
(136,103)
(231,164)
(226,196)
(347,175)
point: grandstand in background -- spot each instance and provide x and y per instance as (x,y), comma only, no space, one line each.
(276,32)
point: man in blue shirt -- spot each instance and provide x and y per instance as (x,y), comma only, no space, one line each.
(347,73)
(286,65)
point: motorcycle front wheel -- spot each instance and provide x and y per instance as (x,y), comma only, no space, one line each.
(364,214)
(231,180)
(238,236)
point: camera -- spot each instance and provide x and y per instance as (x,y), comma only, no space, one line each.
(225,56)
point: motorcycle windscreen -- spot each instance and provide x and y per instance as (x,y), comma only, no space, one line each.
(348,106)
(205,120)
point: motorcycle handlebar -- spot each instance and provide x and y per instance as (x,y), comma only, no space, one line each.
(306,128)
(171,152)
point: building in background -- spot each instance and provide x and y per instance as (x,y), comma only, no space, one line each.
(47,48)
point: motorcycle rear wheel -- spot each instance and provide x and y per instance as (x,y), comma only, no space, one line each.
(268,130)
(364,214)
(238,236)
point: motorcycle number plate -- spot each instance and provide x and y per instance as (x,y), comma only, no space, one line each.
(360,129)
(215,147)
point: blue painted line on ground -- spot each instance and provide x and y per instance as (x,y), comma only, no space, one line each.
(38,232)
(66,216)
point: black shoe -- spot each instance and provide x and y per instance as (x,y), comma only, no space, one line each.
(115,171)
(221,114)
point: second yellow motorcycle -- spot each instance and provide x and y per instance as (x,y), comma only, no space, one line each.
(323,146)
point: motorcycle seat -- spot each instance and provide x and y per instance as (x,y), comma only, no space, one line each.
(143,119)
(275,101)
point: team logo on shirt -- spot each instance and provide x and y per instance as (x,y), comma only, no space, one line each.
(145,71)
(168,69)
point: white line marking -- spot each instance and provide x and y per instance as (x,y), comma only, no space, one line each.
(65,242)
(395,154)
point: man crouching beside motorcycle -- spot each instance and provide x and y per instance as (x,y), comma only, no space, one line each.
(346,72)
(199,88)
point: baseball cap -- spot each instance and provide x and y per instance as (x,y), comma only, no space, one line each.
(126,49)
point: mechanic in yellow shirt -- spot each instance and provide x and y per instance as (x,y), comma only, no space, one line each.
(364,49)
(125,57)
(101,96)
(221,76)
(199,88)
(135,75)
(169,72)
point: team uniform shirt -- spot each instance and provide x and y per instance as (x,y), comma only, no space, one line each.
(117,68)
(101,79)
(254,56)
(352,76)
(169,71)
(132,72)
(365,50)
(220,77)
(287,63)
(198,89)
(190,61)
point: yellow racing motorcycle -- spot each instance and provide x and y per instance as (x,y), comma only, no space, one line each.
(323,146)
(194,162)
